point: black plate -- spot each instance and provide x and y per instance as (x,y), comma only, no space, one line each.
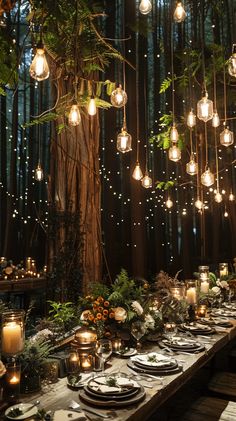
(159,368)
(109,396)
(134,367)
(111,403)
(99,393)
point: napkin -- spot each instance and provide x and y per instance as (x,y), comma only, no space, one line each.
(100,384)
(162,360)
(65,415)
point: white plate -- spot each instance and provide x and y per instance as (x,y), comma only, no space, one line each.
(162,360)
(129,353)
(23,407)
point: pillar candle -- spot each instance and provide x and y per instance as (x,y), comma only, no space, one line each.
(191,295)
(12,338)
(204,287)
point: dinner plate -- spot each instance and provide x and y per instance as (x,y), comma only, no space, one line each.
(169,367)
(182,343)
(111,403)
(109,396)
(197,347)
(204,330)
(161,360)
(23,407)
(126,354)
(93,385)
(156,372)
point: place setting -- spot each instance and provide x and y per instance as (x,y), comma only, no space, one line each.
(154,363)
(114,390)
(179,343)
(196,329)
(216,322)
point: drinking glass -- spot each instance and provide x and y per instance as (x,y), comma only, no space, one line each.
(170,330)
(138,330)
(103,350)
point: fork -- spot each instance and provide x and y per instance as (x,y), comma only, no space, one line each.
(78,408)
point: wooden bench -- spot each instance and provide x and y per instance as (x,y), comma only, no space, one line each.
(211,409)
(223,383)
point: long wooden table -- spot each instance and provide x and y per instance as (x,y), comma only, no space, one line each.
(58,396)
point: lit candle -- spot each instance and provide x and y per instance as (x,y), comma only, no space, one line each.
(12,338)
(38,275)
(204,288)
(201,312)
(116,344)
(191,295)
(12,386)
(223,269)
(203,276)
(86,362)
(14,379)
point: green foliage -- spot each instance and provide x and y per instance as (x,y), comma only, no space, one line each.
(35,354)
(165,185)
(45,118)
(166,83)
(125,290)
(63,314)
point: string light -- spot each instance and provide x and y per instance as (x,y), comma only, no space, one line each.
(231,197)
(146,181)
(192,167)
(179,13)
(124,141)
(215,119)
(232,62)
(145,7)
(205,108)
(74,117)
(207,178)
(92,109)
(218,197)
(226,214)
(174,153)
(137,173)
(169,204)
(199,204)
(226,137)
(119,97)
(174,135)
(39,69)
(191,119)
(39,172)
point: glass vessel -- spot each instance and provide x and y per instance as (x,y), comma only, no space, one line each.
(13,332)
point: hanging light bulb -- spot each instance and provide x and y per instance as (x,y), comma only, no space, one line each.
(145,7)
(198,204)
(192,167)
(39,69)
(207,178)
(205,108)
(174,135)
(226,137)
(124,141)
(146,181)
(119,97)
(231,197)
(169,204)
(232,62)
(226,214)
(215,119)
(38,173)
(174,153)
(74,117)
(92,109)
(137,173)
(179,13)
(191,119)
(218,197)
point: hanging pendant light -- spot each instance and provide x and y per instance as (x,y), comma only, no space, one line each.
(231,197)
(145,7)
(174,135)
(232,62)
(39,68)
(198,204)
(226,214)
(74,117)
(215,119)
(92,109)
(207,178)
(179,13)
(146,181)
(38,172)
(205,108)
(192,167)
(226,137)
(174,153)
(137,173)
(119,97)
(124,141)
(218,197)
(169,204)
(191,119)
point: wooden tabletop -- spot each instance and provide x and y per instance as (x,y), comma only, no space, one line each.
(58,396)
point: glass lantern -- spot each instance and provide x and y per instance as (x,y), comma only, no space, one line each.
(232,62)
(205,108)
(203,272)
(223,269)
(192,167)
(174,153)
(207,178)
(226,137)
(119,97)
(124,141)
(191,292)
(13,332)
(73,362)
(191,119)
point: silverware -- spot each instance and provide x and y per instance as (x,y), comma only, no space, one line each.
(78,408)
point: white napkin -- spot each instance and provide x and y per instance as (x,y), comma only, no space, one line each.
(63,415)
(161,360)
(104,388)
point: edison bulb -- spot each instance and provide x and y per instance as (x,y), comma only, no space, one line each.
(119,97)
(226,137)
(226,214)
(232,62)
(39,69)
(192,167)
(207,178)
(74,117)
(205,108)
(92,109)
(218,197)
(174,135)
(169,203)
(198,204)
(146,181)
(231,197)
(215,119)
(179,13)
(137,173)
(174,153)
(38,173)
(124,141)
(191,119)
(145,7)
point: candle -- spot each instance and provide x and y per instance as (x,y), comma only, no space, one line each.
(201,311)
(116,344)
(203,276)
(14,380)
(223,268)
(86,362)
(28,263)
(38,275)
(12,388)
(204,288)
(191,295)
(12,338)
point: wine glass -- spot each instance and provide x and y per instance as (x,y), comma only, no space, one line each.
(170,330)
(103,350)
(138,330)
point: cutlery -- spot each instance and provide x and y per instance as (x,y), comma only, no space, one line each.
(78,408)
(145,374)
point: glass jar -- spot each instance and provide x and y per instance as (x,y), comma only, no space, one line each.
(191,291)
(203,272)
(223,269)
(13,332)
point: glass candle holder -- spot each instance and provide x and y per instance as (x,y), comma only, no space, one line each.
(13,332)
(85,336)
(203,272)
(223,269)
(86,362)
(178,292)
(202,310)
(116,344)
(204,286)
(12,381)
(73,362)
(191,292)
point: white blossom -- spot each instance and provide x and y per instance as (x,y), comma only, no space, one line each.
(136,306)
